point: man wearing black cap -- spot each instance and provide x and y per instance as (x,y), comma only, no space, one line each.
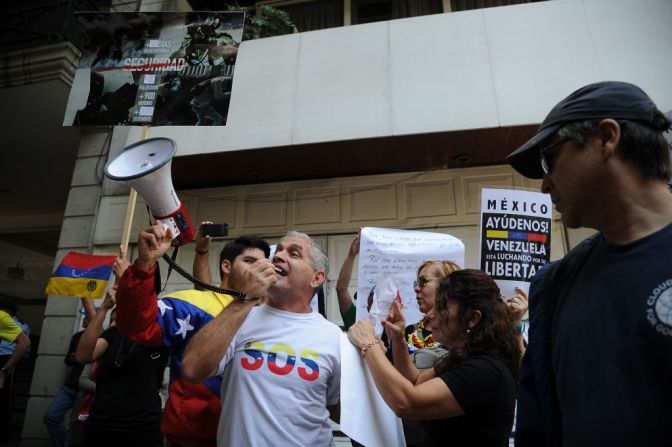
(598,370)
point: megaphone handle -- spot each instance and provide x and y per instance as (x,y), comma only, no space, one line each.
(128,220)
(233,292)
(130,208)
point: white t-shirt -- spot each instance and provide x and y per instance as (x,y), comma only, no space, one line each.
(280,372)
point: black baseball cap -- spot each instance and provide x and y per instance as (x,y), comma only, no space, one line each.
(611,99)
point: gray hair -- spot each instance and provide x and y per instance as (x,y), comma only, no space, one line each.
(643,146)
(580,131)
(318,260)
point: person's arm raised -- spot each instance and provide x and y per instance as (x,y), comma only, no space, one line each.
(344,299)
(201,268)
(91,347)
(518,306)
(208,347)
(137,307)
(89,308)
(120,265)
(153,242)
(90,312)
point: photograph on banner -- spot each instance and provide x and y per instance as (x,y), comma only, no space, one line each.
(155,68)
(389,260)
(515,236)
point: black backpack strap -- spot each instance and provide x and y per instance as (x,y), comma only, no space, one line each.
(538,418)
(556,284)
(535,401)
(159,358)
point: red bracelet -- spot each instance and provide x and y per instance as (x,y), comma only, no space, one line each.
(369,344)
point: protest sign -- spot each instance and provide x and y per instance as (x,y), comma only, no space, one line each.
(155,68)
(515,236)
(386,252)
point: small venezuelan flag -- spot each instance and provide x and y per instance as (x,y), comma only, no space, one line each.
(79,275)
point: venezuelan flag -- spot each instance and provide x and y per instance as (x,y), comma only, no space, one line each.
(79,275)
(516,235)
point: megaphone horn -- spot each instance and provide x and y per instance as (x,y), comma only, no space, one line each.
(145,167)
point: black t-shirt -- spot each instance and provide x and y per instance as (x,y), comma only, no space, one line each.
(612,346)
(485,389)
(127,386)
(73,378)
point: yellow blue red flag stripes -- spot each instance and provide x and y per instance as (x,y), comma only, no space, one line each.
(80,275)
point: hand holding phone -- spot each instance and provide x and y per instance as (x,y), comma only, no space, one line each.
(215,230)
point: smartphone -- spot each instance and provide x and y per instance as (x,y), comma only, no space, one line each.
(215,230)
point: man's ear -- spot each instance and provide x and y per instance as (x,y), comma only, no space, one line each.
(475,318)
(318,279)
(609,135)
(226,266)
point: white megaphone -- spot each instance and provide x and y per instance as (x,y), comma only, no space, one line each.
(145,167)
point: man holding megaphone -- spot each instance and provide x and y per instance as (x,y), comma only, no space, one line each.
(280,362)
(192,410)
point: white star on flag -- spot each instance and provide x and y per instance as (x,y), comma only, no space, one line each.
(163,306)
(184,327)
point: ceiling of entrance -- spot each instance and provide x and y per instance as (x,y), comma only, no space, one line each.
(448,150)
(38,157)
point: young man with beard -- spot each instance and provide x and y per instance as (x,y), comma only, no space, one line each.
(280,361)
(192,410)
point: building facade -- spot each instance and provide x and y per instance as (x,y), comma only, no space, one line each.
(394,123)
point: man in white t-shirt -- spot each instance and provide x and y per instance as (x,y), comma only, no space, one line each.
(280,361)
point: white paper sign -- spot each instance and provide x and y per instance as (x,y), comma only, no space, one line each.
(365,417)
(398,254)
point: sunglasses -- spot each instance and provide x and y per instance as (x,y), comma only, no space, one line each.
(421,282)
(546,162)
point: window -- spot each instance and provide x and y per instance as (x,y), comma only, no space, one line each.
(367,11)
(464,5)
(311,15)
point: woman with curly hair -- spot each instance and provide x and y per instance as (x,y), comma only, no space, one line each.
(468,398)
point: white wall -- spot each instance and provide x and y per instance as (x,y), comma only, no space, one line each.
(485,68)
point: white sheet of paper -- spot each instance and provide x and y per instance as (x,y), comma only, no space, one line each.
(399,253)
(365,417)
